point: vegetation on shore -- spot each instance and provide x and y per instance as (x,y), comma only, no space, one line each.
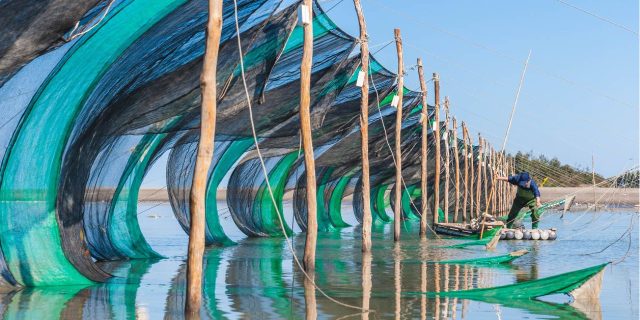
(553,173)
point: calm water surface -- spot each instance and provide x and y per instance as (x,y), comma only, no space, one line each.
(257,278)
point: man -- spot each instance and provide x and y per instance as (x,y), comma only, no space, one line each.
(527,195)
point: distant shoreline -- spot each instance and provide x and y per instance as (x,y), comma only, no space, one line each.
(584,195)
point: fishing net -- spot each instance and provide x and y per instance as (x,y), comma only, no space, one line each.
(108,104)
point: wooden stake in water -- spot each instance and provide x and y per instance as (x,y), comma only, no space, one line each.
(593,180)
(397,206)
(456,162)
(364,130)
(425,152)
(447,158)
(465,184)
(203,161)
(472,171)
(436,132)
(307,142)
(478,176)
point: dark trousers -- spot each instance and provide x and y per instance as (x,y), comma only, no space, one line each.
(518,204)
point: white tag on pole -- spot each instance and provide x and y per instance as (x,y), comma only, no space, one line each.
(444,136)
(434,125)
(422,118)
(360,81)
(305,14)
(394,101)
(469,155)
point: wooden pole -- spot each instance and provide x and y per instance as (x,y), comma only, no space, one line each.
(436,132)
(465,194)
(492,160)
(203,161)
(472,170)
(398,205)
(478,176)
(307,142)
(364,130)
(447,162)
(423,160)
(447,166)
(485,164)
(593,180)
(456,162)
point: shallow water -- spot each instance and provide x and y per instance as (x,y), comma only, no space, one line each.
(257,278)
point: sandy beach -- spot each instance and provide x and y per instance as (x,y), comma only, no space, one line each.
(584,195)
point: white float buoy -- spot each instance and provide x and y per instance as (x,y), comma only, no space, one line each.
(544,235)
(503,235)
(526,235)
(518,234)
(510,235)
(552,235)
(535,234)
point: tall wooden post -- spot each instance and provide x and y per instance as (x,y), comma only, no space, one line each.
(436,132)
(398,205)
(479,176)
(423,160)
(485,166)
(593,181)
(456,162)
(494,171)
(472,170)
(447,162)
(203,160)
(364,130)
(465,194)
(307,142)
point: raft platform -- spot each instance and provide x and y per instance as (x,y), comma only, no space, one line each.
(529,234)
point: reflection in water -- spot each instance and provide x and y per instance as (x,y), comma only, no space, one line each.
(310,307)
(366,284)
(397,277)
(257,279)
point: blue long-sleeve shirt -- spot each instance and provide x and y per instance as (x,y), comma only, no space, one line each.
(521,179)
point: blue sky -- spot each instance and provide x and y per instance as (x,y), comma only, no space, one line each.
(580,95)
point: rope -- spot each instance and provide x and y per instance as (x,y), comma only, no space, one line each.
(266,175)
(73,36)
(599,17)
(506,135)
(422,22)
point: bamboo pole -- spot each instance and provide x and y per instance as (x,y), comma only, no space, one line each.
(398,205)
(423,160)
(473,174)
(465,178)
(456,162)
(492,159)
(485,147)
(447,162)
(436,132)
(364,130)
(203,161)
(593,180)
(479,176)
(307,142)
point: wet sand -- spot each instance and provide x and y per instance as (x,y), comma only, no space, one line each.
(584,195)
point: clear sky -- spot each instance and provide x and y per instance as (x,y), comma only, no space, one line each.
(580,95)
